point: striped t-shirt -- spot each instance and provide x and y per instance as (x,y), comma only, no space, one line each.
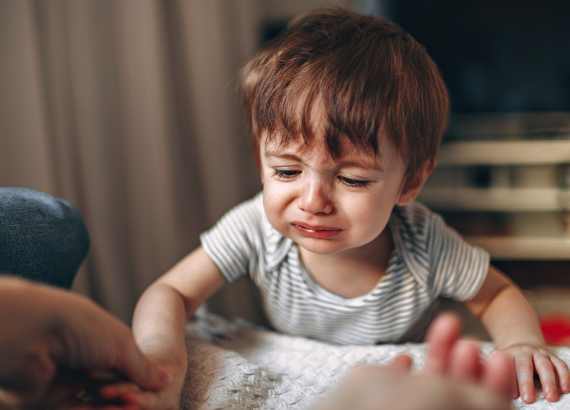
(429,259)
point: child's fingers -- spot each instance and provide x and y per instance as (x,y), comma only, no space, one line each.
(525,377)
(562,372)
(117,390)
(143,400)
(516,392)
(131,395)
(113,407)
(141,370)
(545,371)
(126,407)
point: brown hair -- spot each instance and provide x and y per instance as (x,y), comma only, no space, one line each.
(367,76)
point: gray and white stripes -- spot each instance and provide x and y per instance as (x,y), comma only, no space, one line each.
(429,260)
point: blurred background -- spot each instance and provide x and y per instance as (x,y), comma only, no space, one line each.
(129,109)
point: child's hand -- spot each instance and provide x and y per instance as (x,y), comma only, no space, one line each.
(134,397)
(531,360)
(168,398)
(78,390)
(113,393)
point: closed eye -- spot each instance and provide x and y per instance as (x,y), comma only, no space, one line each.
(285,173)
(354,183)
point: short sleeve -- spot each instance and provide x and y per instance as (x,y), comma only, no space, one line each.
(233,242)
(459,269)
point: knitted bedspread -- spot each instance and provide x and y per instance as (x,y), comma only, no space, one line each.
(234,365)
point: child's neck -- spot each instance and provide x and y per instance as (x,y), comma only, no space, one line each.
(354,272)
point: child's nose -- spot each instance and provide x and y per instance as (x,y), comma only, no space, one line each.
(316,199)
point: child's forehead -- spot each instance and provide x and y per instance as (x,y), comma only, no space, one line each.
(317,146)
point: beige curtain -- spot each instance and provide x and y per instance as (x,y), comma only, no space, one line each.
(129,110)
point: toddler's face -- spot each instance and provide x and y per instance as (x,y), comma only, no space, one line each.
(330,206)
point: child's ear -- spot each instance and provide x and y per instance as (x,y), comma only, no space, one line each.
(414,187)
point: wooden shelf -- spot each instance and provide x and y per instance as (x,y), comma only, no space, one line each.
(541,165)
(497,199)
(505,153)
(512,248)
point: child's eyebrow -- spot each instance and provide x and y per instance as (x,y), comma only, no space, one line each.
(283,155)
(366,164)
(361,164)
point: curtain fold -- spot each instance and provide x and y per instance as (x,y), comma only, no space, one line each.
(129,109)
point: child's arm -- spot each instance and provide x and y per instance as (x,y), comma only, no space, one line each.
(514,327)
(158,325)
(505,312)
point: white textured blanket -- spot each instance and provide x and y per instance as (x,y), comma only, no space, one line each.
(233,365)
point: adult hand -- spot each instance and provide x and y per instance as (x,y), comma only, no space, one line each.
(380,387)
(47,331)
(459,359)
(453,378)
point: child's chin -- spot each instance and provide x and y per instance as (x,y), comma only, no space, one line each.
(320,246)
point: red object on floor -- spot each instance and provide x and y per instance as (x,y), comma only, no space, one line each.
(556,329)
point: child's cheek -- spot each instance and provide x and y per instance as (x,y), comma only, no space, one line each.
(275,210)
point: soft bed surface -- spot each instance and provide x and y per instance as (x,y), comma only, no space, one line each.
(233,365)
